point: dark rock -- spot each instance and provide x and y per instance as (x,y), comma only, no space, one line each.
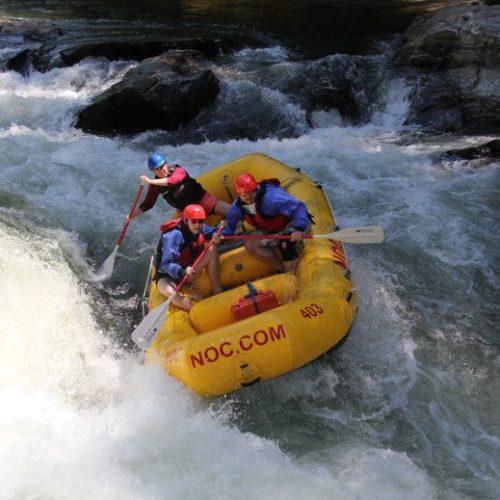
(21,62)
(161,93)
(489,151)
(40,58)
(43,57)
(338,97)
(53,47)
(457,54)
(453,38)
(46,57)
(331,85)
(346,83)
(37,37)
(138,50)
(434,105)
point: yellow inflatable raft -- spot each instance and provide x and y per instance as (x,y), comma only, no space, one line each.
(210,352)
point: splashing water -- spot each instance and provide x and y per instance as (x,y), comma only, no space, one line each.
(405,409)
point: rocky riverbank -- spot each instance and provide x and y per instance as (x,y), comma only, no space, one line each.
(450,59)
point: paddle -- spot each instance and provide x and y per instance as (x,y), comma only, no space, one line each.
(225,182)
(362,234)
(146,330)
(106,269)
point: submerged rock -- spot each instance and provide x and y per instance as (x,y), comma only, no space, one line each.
(161,93)
(481,155)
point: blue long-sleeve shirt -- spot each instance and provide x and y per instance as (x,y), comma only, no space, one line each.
(172,243)
(276,201)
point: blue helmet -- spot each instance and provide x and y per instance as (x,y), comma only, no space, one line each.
(156,160)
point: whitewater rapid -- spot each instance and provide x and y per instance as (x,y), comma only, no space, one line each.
(400,411)
(82,418)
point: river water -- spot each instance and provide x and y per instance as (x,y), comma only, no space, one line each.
(407,408)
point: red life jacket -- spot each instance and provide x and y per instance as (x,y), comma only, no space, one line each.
(192,247)
(266,223)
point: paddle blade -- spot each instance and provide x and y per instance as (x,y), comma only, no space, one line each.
(106,270)
(147,329)
(362,234)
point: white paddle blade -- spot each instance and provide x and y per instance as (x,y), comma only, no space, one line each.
(106,270)
(147,329)
(362,234)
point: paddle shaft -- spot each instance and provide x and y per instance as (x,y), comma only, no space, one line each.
(364,234)
(265,237)
(106,269)
(197,260)
(225,181)
(182,282)
(149,327)
(132,210)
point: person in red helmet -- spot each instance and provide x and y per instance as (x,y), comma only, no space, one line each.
(181,242)
(177,187)
(270,209)
(245,183)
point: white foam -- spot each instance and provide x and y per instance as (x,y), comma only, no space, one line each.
(396,105)
(82,419)
(264,55)
(85,419)
(49,99)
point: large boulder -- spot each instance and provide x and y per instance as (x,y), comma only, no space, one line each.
(453,58)
(342,82)
(163,92)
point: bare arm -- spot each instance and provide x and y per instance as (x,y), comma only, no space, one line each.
(156,182)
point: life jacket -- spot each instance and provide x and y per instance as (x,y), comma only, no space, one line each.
(192,247)
(188,191)
(267,223)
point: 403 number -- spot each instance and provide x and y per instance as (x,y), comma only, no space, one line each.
(311,311)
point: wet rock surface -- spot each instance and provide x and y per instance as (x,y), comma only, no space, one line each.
(453,59)
(481,155)
(164,92)
(194,85)
(39,30)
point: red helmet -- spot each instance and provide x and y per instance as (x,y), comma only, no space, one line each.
(245,183)
(194,212)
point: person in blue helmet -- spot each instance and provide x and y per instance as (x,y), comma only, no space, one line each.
(182,241)
(270,209)
(177,187)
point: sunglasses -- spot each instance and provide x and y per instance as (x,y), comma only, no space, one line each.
(196,221)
